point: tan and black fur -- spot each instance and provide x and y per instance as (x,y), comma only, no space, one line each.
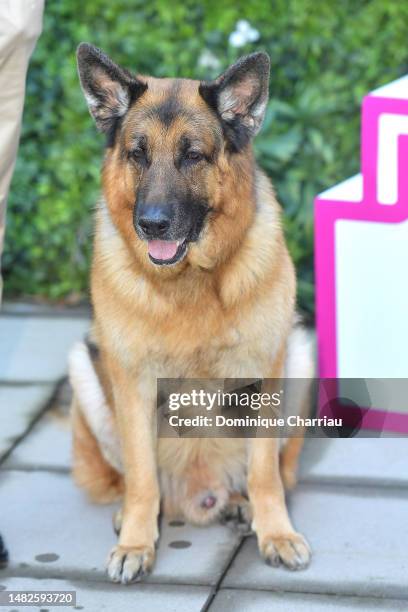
(179,178)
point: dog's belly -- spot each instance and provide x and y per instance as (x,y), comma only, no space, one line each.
(193,471)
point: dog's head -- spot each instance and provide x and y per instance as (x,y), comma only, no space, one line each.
(170,144)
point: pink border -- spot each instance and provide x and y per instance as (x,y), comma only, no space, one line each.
(327,212)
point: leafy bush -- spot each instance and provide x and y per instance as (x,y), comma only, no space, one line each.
(325,57)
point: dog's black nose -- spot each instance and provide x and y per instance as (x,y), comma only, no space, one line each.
(154,221)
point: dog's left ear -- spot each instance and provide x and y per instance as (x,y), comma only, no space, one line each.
(239,96)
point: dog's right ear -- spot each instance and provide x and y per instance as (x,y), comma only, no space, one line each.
(109,90)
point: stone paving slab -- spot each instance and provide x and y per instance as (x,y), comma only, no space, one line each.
(359,538)
(29,309)
(93,597)
(356,461)
(36,348)
(19,405)
(47,447)
(47,515)
(228,600)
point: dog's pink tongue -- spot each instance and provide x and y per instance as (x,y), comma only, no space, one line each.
(162,249)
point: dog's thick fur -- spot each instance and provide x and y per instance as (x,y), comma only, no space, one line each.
(224,309)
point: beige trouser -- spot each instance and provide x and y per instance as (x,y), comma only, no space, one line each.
(20,27)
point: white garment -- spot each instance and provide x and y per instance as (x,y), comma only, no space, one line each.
(20,27)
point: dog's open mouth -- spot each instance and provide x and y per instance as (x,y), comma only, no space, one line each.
(166,252)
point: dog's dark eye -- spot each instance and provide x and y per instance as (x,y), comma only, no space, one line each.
(138,154)
(193,156)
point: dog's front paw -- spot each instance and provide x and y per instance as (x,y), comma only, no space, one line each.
(291,550)
(129,564)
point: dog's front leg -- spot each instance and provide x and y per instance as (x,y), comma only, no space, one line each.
(133,557)
(277,540)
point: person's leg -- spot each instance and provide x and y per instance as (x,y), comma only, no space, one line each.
(20,27)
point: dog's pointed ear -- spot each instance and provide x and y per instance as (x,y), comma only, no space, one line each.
(109,90)
(240,96)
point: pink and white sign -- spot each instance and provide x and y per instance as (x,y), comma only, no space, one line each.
(361,255)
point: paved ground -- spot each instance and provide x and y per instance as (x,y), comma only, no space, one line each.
(351,504)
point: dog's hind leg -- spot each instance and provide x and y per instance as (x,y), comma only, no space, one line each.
(237,514)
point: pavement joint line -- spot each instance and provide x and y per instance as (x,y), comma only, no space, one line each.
(46,315)
(214,589)
(38,312)
(52,469)
(87,576)
(350,482)
(323,592)
(35,420)
(29,383)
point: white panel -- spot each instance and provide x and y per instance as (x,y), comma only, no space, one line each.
(350,190)
(389,128)
(372,301)
(395,89)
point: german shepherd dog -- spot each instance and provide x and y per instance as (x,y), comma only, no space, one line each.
(191,278)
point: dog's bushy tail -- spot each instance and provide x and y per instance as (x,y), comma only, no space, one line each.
(92,403)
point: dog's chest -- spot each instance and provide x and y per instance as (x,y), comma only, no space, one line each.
(229,354)
(208,343)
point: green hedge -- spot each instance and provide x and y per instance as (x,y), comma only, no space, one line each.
(325,56)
